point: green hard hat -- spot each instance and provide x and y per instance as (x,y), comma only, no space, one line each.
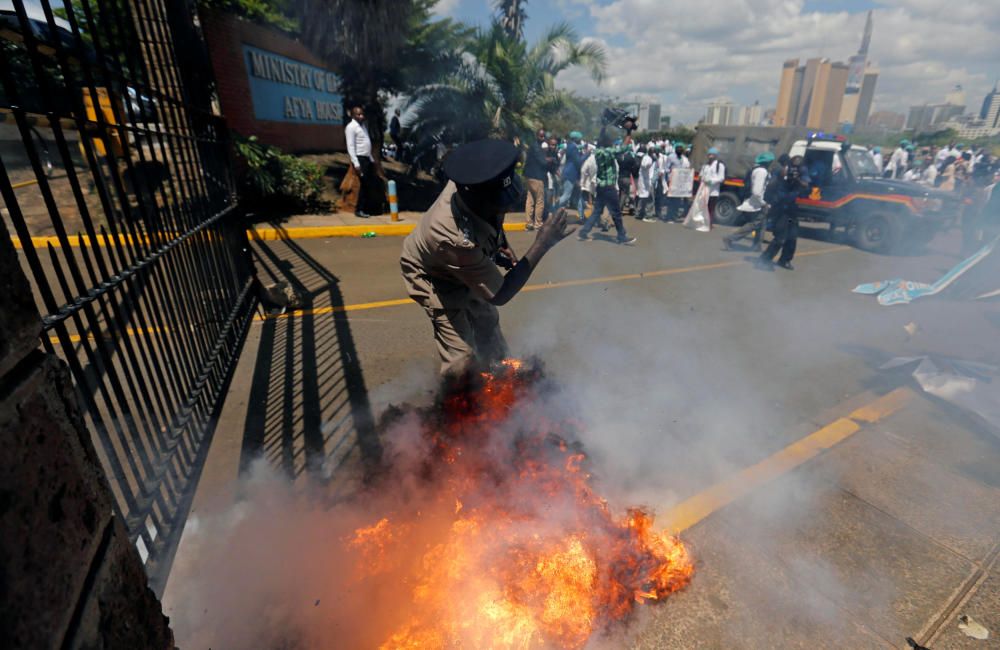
(764,158)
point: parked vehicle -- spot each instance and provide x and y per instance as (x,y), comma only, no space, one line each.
(848,191)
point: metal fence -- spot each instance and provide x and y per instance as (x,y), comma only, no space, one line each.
(116,181)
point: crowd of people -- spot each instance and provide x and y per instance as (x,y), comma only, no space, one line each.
(951,167)
(574,173)
(618,175)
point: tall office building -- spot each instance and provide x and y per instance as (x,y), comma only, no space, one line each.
(787,109)
(811,95)
(649,117)
(861,78)
(721,113)
(990,112)
(750,115)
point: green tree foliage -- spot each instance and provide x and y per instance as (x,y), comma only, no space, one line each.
(272,13)
(511,15)
(503,87)
(364,41)
(273,180)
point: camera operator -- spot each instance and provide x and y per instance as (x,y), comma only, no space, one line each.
(790,184)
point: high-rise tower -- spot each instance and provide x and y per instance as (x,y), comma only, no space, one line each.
(860,82)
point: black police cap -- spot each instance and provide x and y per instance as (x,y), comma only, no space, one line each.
(480,162)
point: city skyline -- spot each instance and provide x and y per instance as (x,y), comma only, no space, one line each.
(684,59)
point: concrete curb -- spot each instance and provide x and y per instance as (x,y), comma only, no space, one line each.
(325,232)
(255,233)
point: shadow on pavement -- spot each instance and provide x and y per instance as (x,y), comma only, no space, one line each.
(309,412)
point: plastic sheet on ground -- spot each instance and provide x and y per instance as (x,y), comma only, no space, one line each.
(975,277)
(970,385)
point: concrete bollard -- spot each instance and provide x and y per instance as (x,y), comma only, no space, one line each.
(393,203)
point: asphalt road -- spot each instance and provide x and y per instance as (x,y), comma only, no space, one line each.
(686,366)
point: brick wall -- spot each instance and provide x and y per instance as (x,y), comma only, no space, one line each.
(69,575)
(226,34)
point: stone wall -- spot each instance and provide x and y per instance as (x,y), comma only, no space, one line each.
(69,576)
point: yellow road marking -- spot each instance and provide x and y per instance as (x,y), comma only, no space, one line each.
(336,309)
(696,508)
(881,408)
(76,338)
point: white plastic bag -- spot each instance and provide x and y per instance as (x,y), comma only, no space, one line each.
(698,216)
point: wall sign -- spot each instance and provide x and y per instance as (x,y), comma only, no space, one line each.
(286,90)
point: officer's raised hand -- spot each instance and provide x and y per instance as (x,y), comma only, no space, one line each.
(554,230)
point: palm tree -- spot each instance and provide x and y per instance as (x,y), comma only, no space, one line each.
(511,16)
(501,86)
(365,40)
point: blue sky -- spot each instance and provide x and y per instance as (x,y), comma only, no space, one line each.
(683,56)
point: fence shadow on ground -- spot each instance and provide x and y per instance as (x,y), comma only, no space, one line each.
(309,413)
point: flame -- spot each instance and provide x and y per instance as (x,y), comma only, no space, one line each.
(512,548)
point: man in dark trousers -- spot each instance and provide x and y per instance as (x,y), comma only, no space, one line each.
(371,196)
(792,183)
(396,133)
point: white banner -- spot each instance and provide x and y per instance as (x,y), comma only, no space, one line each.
(681,182)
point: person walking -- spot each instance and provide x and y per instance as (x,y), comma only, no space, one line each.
(606,195)
(535,172)
(754,206)
(628,165)
(396,132)
(781,194)
(898,161)
(646,183)
(713,173)
(877,158)
(571,172)
(371,195)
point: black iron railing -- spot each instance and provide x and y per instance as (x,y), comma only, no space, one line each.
(116,181)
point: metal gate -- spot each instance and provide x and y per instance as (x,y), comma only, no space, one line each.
(115,179)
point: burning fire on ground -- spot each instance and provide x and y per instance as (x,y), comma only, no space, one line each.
(504,542)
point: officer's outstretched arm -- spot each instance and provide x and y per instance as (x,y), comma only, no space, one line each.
(551,233)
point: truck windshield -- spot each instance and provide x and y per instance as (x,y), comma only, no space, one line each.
(861,164)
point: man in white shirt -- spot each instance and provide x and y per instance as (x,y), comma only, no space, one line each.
(646,183)
(877,158)
(712,174)
(754,206)
(371,196)
(676,205)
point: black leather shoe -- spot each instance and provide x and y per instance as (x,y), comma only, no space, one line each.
(786,265)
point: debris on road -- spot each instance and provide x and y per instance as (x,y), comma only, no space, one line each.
(970,385)
(281,294)
(971,628)
(981,286)
(914,645)
(369,234)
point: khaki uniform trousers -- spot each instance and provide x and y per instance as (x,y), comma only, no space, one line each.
(534,207)
(468,337)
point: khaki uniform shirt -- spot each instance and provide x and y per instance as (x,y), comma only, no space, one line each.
(447,261)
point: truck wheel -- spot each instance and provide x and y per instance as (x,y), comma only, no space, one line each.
(726,213)
(878,233)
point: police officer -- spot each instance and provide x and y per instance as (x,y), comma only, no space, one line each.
(793,183)
(450,260)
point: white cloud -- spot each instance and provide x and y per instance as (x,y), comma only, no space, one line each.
(445,8)
(688,52)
